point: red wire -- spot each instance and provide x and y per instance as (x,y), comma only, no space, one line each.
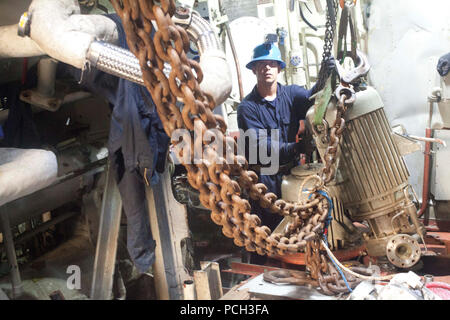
(24,70)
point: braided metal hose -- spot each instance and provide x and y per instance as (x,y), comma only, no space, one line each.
(115,60)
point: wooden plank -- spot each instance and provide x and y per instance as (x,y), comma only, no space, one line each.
(202,285)
(208,284)
(235,294)
(215,282)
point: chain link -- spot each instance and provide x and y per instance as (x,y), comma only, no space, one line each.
(330,28)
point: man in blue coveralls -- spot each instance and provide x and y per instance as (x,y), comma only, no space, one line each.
(270,106)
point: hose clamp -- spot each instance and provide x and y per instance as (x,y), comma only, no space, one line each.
(23,29)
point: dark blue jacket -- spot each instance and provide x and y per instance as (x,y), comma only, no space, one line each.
(284,113)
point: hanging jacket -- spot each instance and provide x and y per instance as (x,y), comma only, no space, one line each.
(137,147)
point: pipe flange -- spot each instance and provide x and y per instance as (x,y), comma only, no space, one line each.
(403,251)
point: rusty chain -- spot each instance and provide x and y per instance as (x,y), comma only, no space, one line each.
(345,96)
(221,184)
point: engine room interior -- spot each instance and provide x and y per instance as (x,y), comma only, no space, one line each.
(137,140)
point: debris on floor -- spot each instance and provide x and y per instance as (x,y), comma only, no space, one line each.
(403,286)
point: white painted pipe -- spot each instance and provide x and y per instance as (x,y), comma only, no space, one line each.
(13,46)
(46,76)
(188,290)
(59,30)
(216,71)
(216,75)
(63,33)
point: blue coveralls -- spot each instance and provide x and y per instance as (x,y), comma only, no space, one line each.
(137,146)
(284,113)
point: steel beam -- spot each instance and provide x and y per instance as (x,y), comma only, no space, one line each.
(105,256)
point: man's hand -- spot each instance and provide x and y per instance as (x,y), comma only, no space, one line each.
(328,66)
(304,141)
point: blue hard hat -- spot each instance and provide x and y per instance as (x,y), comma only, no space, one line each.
(266,51)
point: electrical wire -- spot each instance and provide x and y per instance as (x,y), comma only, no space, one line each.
(335,261)
(324,243)
(330,254)
(304,19)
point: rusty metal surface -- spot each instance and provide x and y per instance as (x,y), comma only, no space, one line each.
(440,240)
(259,288)
(341,255)
(248,269)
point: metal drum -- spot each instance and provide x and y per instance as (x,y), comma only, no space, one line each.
(341,230)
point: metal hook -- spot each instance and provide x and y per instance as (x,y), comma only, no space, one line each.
(349,76)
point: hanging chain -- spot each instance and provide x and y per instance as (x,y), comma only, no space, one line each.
(221,184)
(330,28)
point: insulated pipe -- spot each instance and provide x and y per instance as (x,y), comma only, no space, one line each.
(63,33)
(235,56)
(59,30)
(216,72)
(13,46)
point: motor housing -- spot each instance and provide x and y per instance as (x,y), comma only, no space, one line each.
(374,187)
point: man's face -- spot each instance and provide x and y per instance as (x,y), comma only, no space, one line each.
(266,71)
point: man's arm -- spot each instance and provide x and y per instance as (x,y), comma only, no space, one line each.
(301,100)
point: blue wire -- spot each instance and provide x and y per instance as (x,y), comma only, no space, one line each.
(327,223)
(330,209)
(337,267)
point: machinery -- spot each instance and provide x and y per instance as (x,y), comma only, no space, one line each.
(374,182)
(375,211)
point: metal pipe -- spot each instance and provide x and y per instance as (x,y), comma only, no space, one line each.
(16,282)
(216,74)
(201,31)
(41,228)
(305,58)
(105,256)
(60,31)
(65,190)
(296,76)
(236,60)
(433,140)
(434,97)
(233,51)
(188,290)
(395,217)
(46,76)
